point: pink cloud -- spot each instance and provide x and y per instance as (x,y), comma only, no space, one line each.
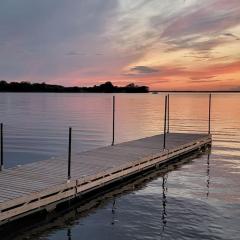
(210,19)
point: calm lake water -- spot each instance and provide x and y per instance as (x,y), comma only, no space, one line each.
(198,199)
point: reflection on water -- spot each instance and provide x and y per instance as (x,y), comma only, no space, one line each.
(66,219)
(197,200)
(113,210)
(164,202)
(69,234)
(208,175)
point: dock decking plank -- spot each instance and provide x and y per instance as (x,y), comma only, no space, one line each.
(33,180)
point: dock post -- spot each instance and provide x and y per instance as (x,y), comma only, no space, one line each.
(1,130)
(168,114)
(209,113)
(69,152)
(113,123)
(165,118)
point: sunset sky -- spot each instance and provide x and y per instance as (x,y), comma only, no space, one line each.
(167,44)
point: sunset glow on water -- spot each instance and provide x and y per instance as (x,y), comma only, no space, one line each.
(206,187)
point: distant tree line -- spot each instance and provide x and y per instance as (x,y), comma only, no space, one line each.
(106,87)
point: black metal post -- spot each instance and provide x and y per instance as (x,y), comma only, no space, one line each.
(1,164)
(69,152)
(168,114)
(113,112)
(165,118)
(209,113)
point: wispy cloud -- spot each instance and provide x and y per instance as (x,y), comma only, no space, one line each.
(74,53)
(200,78)
(195,45)
(204,81)
(212,18)
(143,69)
(232,36)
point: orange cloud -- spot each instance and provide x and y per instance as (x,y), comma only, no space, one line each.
(185,78)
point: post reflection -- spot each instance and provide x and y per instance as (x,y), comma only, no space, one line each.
(208,175)
(69,234)
(113,211)
(164,203)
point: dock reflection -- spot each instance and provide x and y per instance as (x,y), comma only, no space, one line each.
(67,218)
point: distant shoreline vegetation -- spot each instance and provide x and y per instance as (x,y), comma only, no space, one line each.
(106,87)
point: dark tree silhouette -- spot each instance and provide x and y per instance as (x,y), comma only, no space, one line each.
(106,87)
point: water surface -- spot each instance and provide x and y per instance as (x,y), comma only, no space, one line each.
(199,199)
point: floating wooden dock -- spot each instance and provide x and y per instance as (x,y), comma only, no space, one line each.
(43,184)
